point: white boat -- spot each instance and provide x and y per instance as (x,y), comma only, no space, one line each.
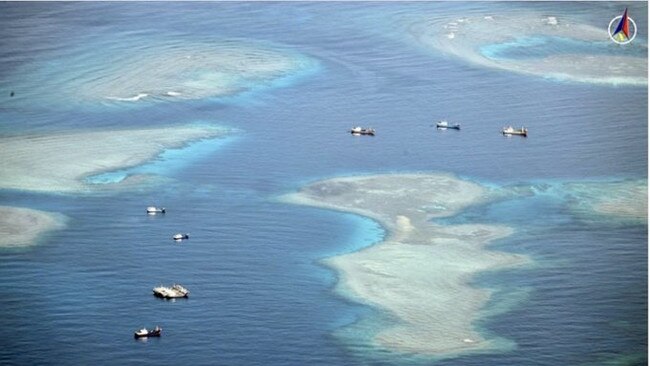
(179,237)
(143,333)
(152,210)
(445,124)
(509,131)
(174,292)
(362,131)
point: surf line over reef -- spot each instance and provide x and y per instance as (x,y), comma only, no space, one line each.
(420,272)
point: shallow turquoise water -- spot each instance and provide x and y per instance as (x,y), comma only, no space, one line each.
(169,162)
(544,46)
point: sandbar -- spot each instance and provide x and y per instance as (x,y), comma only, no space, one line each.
(21,227)
(59,163)
(421,272)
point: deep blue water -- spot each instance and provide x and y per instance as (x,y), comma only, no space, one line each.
(259,292)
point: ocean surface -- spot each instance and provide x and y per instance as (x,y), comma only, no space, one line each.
(259,293)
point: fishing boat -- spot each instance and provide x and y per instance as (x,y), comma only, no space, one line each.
(509,131)
(179,237)
(174,292)
(144,333)
(444,124)
(152,210)
(362,131)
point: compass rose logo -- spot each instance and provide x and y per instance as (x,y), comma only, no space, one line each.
(625,30)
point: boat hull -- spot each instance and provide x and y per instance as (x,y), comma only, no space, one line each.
(153,333)
(164,295)
(516,133)
(362,131)
(155,210)
(174,292)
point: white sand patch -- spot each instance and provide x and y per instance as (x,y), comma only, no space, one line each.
(404,223)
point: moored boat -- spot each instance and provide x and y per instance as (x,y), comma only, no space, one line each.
(179,237)
(174,292)
(444,124)
(508,131)
(362,131)
(144,333)
(152,210)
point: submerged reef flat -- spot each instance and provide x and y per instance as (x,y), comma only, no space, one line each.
(552,47)
(161,72)
(420,273)
(21,227)
(61,162)
(625,201)
(196,71)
